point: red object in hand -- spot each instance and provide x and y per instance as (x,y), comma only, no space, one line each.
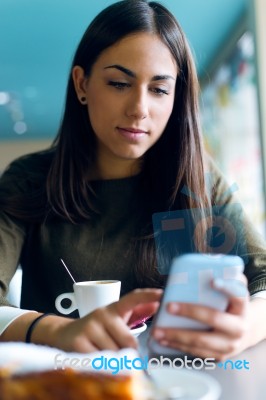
(139,322)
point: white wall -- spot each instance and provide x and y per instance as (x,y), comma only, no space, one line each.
(9,150)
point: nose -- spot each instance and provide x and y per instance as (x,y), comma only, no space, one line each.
(137,106)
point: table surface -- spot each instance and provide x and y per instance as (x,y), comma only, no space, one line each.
(237,384)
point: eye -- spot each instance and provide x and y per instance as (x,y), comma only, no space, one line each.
(119,85)
(159,91)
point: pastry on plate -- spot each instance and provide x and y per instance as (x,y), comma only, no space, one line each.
(69,384)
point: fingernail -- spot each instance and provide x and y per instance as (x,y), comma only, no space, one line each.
(158,334)
(164,343)
(174,308)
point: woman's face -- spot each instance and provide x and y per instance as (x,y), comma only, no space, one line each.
(130,96)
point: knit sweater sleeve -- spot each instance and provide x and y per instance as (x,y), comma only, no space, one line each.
(251,246)
(12,231)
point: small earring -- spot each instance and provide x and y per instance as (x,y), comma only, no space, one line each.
(83,100)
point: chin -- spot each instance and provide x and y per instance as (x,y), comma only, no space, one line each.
(131,155)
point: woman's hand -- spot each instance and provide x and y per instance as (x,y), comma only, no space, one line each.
(231,331)
(107,327)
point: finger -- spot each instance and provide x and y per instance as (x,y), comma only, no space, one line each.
(237,293)
(225,322)
(110,330)
(96,334)
(87,347)
(121,334)
(103,340)
(232,287)
(76,337)
(135,298)
(197,351)
(207,340)
(81,344)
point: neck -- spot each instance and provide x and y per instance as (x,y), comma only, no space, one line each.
(115,170)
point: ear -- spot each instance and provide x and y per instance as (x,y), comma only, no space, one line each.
(79,81)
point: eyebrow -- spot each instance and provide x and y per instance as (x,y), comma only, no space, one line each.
(133,75)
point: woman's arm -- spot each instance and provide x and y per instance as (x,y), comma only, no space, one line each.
(105,328)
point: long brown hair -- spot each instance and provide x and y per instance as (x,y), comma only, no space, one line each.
(174,162)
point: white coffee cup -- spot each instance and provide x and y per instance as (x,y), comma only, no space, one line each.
(89,295)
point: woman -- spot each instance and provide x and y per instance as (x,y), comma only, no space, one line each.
(128,144)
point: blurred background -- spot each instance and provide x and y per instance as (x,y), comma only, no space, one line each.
(38,39)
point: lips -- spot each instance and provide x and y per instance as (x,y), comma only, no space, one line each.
(132,130)
(132,135)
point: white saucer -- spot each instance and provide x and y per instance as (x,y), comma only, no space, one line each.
(137,331)
(189,384)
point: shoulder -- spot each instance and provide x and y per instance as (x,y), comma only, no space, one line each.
(27,171)
(220,190)
(33,162)
(210,166)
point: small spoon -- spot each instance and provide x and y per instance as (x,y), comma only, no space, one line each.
(67,270)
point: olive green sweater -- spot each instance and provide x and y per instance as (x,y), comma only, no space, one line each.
(93,250)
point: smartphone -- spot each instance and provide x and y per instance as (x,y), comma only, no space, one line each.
(189,281)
